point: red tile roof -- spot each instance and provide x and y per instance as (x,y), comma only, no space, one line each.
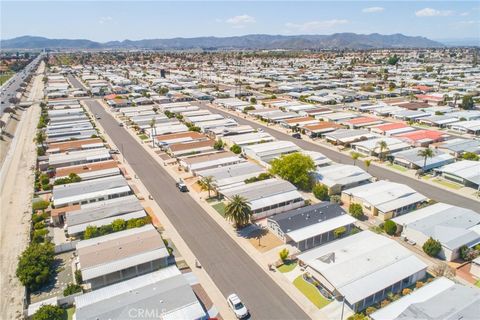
(421,134)
(390,126)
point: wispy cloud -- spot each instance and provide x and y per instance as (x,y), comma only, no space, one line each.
(315,26)
(240,21)
(373,10)
(429,12)
(104,20)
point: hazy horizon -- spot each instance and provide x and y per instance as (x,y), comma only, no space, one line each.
(117,21)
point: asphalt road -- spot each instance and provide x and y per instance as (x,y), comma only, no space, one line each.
(428,190)
(232,270)
(9,89)
(74,81)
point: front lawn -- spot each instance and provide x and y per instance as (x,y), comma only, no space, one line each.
(448,184)
(220,207)
(397,167)
(310,292)
(143,136)
(287,266)
(478,283)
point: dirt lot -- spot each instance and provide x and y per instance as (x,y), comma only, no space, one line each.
(16,183)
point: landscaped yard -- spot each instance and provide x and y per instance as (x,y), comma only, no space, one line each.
(478,283)
(448,184)
(143,136)
(310,292)
(220,207)
(397,167)
(287,266)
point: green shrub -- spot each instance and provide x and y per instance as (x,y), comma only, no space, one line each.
(49,312)
(320,191)
(432,247)
(40,205)
(390,227)
(71,289)
(356,210)
(340,231)
(236,149)
(78,276)
(284,254)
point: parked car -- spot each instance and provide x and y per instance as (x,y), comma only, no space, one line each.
(114,151)
(181,186)
(121,124)
(297,135)
(240,310)
(97,116)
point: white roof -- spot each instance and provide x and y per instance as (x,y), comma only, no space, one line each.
(385,195)
(466,169)
(394,309)
(341,174)
(321,227)
(378,263)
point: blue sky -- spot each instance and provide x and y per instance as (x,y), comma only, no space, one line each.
(119,20)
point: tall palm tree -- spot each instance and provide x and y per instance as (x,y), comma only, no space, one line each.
(238,211)
(355,156)
(367,163)
(152,127)
(207,184)
(425,153)
(383,146)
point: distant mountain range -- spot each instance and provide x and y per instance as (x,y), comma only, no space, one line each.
(253,41)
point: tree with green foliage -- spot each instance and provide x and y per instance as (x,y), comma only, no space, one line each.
(72,288)
(238,211)
(49,312)
(470,156)
(218,145)
(320,191)
(382,149)
(467,102)
(295,168)
(425,154)
(35,265)
(432,247)
(340,231)
(236,149)
(393,60)
(355,156)
(390,227)
(253,100)
(356,210)
(119,225)
(207,184)
(367,163)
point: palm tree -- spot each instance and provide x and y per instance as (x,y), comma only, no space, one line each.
(382,144)
(367,163)
(425,153)
(238,211)
(207,184)
(152,126)
(355,156)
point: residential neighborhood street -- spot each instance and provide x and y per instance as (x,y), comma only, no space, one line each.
(232,270)
(428,190)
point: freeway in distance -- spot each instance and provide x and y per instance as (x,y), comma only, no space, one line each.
(229,266)
(9,88)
